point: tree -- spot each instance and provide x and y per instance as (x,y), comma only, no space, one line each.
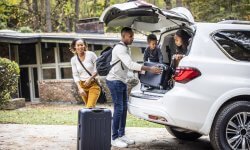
(62,15)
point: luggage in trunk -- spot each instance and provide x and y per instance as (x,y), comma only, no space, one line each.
(159,81)
(94,129)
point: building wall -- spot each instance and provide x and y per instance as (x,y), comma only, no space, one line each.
(57,90)
(47,69)
(66,90)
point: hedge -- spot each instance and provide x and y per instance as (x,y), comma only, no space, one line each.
(9,74)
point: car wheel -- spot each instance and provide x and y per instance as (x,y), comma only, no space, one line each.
(231,127)
(183,134)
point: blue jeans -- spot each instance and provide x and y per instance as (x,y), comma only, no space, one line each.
(119,94)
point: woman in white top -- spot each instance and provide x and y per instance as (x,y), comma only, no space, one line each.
(87,86)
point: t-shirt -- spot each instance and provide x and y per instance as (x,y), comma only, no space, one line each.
(153,55)
(78,72)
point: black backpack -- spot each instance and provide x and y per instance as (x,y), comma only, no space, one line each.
(103,61)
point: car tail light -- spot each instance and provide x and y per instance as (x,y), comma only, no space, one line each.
(186,74)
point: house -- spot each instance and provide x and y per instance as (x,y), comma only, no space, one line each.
(45,57)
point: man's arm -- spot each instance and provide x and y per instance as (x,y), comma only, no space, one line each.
(126,59)
(122,53)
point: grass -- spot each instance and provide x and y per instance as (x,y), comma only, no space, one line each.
(57,115)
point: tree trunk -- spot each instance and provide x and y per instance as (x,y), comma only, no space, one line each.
(69,20)
(188,4)
(106,3)
(36,21)
(76,12)
(168,4)
(29,6)
(178,3)
(154,2)
(48,17)
(42,15)
(94,7)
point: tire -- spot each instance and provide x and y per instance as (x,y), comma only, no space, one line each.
(182,134)
(227,125)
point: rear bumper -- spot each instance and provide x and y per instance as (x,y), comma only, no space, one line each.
(148,108)
(179,106)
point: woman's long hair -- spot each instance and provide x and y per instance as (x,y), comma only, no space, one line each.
(185,39)
(73,45)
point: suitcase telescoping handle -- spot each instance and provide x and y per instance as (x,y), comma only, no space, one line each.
(97,110)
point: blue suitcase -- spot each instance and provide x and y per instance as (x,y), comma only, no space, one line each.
(94,129)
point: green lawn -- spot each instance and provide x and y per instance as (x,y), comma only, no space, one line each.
(57,115)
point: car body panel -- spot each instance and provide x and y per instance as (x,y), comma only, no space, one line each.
(194,105)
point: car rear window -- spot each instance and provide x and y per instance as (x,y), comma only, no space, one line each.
(235,43)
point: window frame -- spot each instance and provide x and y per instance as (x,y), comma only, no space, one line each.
(42,54)
(35,52)
(61,52)
(62,67)
(44,68)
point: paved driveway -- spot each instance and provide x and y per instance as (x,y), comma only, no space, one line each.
(58,137)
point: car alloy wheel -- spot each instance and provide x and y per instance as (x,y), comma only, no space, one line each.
(238,131)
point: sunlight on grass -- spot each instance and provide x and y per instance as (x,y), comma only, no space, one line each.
(57,115)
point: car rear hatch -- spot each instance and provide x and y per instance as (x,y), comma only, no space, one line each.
(145,17)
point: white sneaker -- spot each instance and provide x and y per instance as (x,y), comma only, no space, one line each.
(127,140)
(119,143)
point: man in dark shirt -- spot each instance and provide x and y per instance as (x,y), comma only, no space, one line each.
(153,52)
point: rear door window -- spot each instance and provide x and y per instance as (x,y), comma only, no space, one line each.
(235,43)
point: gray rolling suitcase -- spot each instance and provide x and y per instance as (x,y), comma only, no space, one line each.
(94,129)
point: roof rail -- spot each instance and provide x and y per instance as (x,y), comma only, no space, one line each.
(235,22)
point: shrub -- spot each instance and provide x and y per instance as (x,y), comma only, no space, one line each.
(3,25)
(9,74)
(25,30)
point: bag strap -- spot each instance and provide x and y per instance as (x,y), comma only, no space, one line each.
(115,63)
(87,70)
(83,66)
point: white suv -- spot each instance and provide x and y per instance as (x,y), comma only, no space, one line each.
(211,93)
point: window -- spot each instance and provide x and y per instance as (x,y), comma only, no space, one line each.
(48,53)
(66,73)
(8,51)
(97,47)
(36,82)
(235,43)
(4,50)
(90,47)
(13,49)
(65,53)
(27,54)
(49,73)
